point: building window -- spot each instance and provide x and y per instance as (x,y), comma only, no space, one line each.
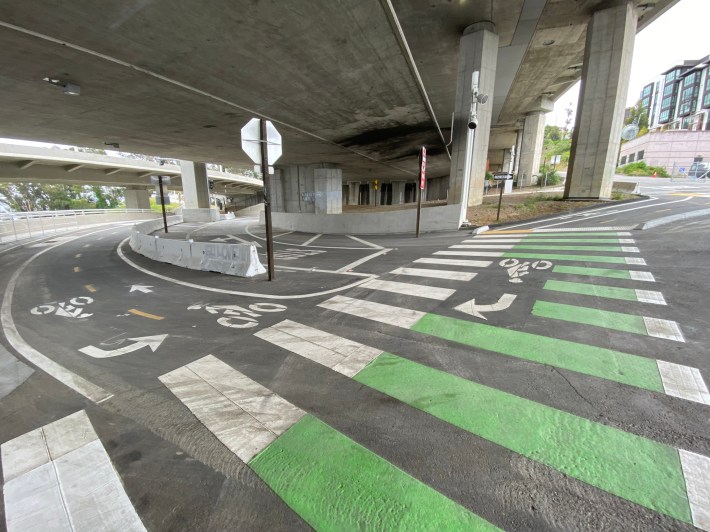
(706,95)
(623,160)
(639,155)
(631,157)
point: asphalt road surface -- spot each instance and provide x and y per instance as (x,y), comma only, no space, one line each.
(540,376)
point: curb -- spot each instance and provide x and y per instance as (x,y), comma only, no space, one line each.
(672,218)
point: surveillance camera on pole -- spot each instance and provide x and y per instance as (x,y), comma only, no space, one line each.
(476,98)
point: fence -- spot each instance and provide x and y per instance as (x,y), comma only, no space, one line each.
(15,226)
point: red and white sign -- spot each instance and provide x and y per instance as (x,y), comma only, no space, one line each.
(422,171)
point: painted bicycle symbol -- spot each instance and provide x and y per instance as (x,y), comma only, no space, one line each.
(239,317)
(517,269)
(71,309)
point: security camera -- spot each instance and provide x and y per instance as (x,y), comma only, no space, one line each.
(473,122)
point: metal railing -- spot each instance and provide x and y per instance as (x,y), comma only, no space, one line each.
(16,226)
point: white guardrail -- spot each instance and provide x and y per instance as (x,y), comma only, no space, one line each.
(16,226)
(241,260)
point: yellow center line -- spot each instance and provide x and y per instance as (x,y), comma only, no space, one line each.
(77,269)
(663,210)
(90,287)
(145,314)
(608,221)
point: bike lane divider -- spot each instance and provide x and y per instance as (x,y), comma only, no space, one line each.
(658,376)
(629,275)
(546,256)
(59,477)
(548,247)
(610,292)
(331,481)
(652,474)
(618,321)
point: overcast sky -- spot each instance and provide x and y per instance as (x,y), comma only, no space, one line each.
(683,32)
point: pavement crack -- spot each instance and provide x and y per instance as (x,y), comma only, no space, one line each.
(573,387)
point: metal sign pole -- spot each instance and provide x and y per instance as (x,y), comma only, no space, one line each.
(500,199)
(422,181)
(162,202)
(267,201)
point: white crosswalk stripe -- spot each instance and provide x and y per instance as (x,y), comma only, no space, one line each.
(430,292)
(456,262)
(436,274)
(59,477)
(340,354)
(245,416)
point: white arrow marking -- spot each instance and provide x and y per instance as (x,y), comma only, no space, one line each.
(140,288)
(227,238)
(471,308)
(144,341)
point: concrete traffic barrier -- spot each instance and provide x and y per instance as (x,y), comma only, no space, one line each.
(175,252)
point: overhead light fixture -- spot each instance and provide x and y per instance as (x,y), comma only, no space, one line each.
(548,42)
(72,89)
(112,144)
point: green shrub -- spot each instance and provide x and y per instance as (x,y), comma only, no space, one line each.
(640,168)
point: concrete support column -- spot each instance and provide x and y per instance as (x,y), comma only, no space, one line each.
(507,165)
(531,149)
(602,97)
(373,194)
(196,192)
(137,198)
(353,192)
(398,192)
(518,148)
(478,51)
(328,184)
(276,194)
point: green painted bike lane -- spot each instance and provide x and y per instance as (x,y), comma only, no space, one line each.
(335,484)
(629,466)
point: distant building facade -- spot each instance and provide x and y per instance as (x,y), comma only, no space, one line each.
(678,106)
(680,97)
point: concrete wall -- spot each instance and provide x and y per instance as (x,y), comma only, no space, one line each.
(445,218)
(667,148)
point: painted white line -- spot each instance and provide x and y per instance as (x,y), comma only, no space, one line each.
(297,269)
(72,380)
(627,241)
(642,276)
(231,292)
(244,415)
(284,234)
(628,249)
(471,253)
(365,242)
(340,354)
(684,382)
(483,246)
(436,274)
(650,296)
(696,470)
(663,329)
(311,240)
(624,229)
(246,229)
(618,211)
(397,316)
(635,261)
(363,260)
(496,239)
(456,262)
(60,474)
(431,292)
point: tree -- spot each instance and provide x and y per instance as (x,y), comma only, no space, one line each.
(638,115)
(568,121)
(50,197)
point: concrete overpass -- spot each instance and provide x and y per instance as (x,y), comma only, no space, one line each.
(355,86)
(55,165)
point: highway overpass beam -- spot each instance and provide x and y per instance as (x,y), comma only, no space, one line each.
(478,51)
(532,141)
(137,198)
(196,190)
(600,112)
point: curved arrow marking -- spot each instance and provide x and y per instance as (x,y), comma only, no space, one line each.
(472,309)
(144,341)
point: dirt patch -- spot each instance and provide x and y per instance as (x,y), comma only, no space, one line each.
(517,207)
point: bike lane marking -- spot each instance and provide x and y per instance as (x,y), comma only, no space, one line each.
(617,366)
(630,466)
(618,321)
(610,292)
(630,275)
(545,256)
(331,481)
